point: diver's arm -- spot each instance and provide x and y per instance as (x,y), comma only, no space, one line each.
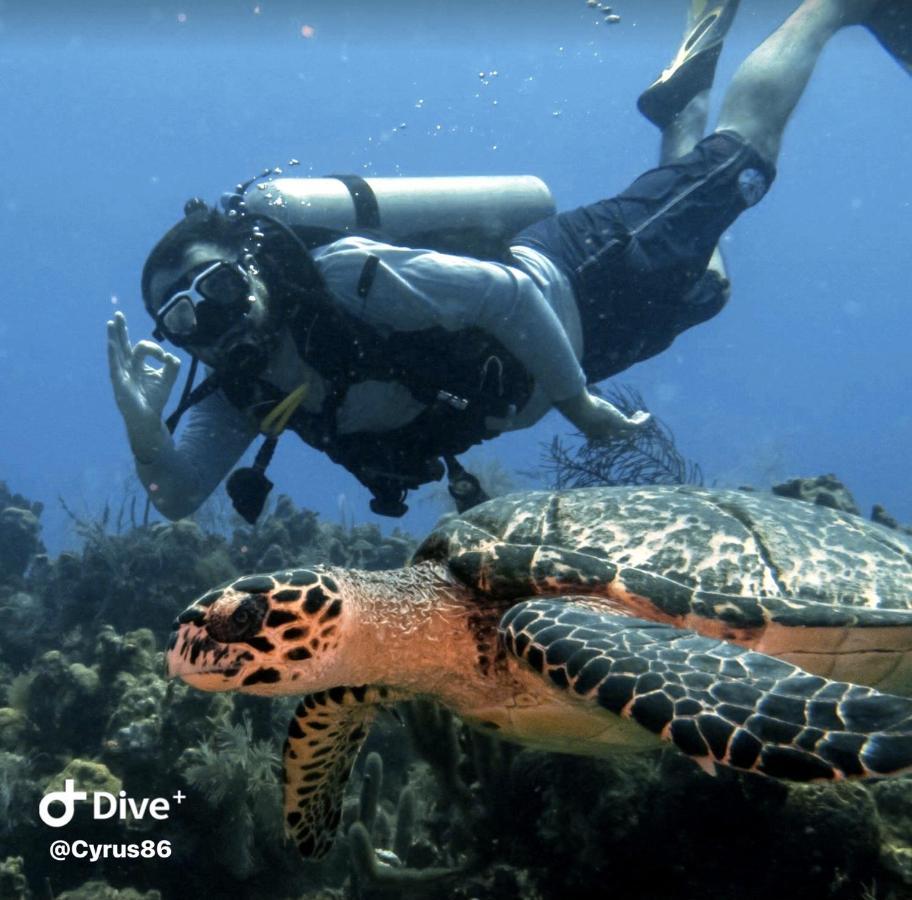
(180,477)
(598,419)
(417,289)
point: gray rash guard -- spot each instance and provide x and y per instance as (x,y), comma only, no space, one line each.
(530,308)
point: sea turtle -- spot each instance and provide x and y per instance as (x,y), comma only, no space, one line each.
(739,626)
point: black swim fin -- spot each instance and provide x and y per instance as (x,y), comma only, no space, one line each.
(693,69)
(891,24)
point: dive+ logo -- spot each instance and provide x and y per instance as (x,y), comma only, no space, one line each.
(104,805)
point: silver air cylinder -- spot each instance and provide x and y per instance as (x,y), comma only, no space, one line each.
(476,215)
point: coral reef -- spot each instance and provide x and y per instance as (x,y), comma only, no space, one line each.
(13,883)
(828,490)
(824,490)
(19,533)
(291,537)
(83,696)
(433,808)
(239,780)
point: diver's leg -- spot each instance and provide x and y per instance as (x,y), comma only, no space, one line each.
(679,137)
(768,85)
(684,123)
(685,130)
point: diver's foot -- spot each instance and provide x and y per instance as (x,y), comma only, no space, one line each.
(891,23)
(693,69)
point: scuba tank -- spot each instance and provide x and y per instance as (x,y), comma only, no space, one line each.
(466,215)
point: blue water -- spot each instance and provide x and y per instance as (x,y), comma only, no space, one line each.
(113,115)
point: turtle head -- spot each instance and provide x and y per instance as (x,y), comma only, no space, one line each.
(262,634)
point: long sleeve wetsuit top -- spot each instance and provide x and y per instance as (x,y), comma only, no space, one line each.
(529,307)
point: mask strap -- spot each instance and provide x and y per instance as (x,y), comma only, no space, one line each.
(190,396)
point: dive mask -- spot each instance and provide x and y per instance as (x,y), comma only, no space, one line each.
(216,299)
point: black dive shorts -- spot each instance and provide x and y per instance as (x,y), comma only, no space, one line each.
(637,261)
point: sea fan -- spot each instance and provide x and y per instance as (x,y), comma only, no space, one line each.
(647,455)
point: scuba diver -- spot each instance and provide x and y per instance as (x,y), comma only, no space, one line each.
(393,360)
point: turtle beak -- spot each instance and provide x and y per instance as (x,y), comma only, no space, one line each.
(197,659)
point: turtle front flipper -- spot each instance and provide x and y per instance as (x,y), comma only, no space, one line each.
(324,738)
(506,570)
(716,701)
(510,571)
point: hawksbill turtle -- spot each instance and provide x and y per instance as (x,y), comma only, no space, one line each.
(750,631)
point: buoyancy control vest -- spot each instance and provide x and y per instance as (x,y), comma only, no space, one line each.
(461,378)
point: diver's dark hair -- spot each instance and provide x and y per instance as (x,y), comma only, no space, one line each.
(282,257)
(202,223)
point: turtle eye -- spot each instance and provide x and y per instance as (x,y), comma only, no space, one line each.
(240,623)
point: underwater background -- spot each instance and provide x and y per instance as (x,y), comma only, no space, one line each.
(117,113)
(113,115)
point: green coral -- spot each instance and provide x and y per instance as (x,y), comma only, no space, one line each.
(88,775)
(100,890)
(239,779)
(18,793)
(381,872)
(13,729)
(58,693)
(13,884)
(19,541)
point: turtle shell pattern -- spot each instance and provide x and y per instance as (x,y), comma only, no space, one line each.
(737,543)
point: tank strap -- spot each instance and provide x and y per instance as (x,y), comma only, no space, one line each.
(367,210)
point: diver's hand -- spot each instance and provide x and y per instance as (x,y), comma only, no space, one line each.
(140,389)
(598,419)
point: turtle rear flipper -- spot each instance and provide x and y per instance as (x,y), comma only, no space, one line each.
(716,701)
(324,738)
